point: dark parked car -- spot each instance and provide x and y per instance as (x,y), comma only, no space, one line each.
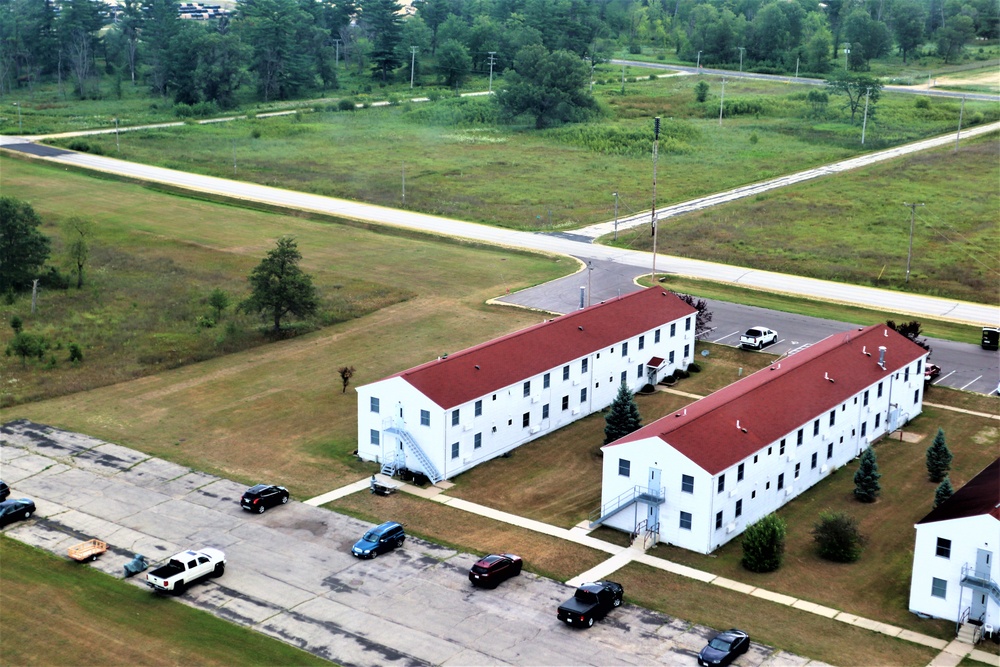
(724,648)
(259,498)
(591,601)
(12,510)
(4,490)
(379,539)
(494,569)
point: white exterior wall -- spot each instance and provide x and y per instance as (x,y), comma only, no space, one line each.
(501,422)
(763,471)
(967,535)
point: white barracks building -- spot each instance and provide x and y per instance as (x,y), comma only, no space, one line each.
(446,416)
(696,478)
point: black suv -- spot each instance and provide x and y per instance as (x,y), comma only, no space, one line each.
(379,539)
(259,498)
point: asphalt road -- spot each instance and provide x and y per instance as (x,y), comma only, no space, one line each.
(290,574)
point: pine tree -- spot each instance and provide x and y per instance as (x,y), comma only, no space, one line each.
(938,458)
(623,417)
(944,491)
(866,486)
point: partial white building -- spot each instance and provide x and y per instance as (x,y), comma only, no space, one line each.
(955,554)
(448,415)
(696,478)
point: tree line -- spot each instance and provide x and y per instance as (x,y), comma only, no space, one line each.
(282,49)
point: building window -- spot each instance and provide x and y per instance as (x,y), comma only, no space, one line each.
(673,329)
(454,450)
(815,428)
(584,365)
(425,418)
(656,336)
(374,404)
(375,440)
(685,520)
(565,373)
(878,419)
(798,466)
(879,395)
(687,351)
(546,380)
(671,357)
(812,464)
(638,371)
(565,403)
(687,324)
(583,395)
(829,450)
(624,467)
(864,399)
(798,438)
(545,411)
(479,408)
(524,419)
(943,548)
(739,508)
(625,349)
(916,396)
(722,483)
(642,342)
(739,473)
(477,441)
(624,379)
(919,362)
(906,374)
(833,417)
(939,588)
(781,448)
(718,520)
(864,428)
(687,483)
(454,417)
(781,481)
(526,389)
(755,458)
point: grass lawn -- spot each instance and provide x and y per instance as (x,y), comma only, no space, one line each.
(855,228)
(798,632)
(57,612)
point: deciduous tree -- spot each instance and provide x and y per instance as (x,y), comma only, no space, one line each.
(838,537)
(280,287)
(346,373)
(856,87)
(23,248)
(549,86)
(453,63)
(78,233)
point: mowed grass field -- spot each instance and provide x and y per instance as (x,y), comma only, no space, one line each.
(54,611)
(855,228)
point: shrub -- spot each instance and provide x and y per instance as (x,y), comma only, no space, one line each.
(84,147)
(54,279)
(346,104)
(682,374)
(17,324)
(701,91)
(764,544)
(693,367)
(75,353)
(255,133)
(182,110)
(837,537)
(754,138)
(922,103)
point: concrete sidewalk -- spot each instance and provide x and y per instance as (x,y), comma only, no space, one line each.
(951,653)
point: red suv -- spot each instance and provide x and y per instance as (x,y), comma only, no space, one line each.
(490,571)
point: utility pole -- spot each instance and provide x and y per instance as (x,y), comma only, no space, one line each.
(623,78)
(909,254)
(336,60)
(492,60)
(591,72)
(404,184)
(742,49)
(699,60)
(590,270)
(615,195)
(118,145)
(18,105)
(960,114)
(656,147)
(722,99)
(864,123)
(796,68)
(234,156)
(413,61)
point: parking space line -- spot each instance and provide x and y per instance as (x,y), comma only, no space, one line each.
(735,333)
(973,382)
(943,378)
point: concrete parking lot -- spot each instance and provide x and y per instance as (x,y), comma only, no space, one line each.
(290,574)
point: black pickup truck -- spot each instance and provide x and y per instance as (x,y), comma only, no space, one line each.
(591,601)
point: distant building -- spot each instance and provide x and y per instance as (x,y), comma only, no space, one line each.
(955,554)
(449,415)
(696,478)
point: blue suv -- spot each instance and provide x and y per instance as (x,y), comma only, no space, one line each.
(379,539)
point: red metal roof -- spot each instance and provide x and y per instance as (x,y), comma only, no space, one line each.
(502,362)
(980,496)
(776,400)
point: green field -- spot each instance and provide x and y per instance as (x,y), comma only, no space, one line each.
(54,611)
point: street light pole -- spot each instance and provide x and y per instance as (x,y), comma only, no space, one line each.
(742,49)
(722,99)
(118,145)
(590,269)
(909,254)
(699,60)
(493,53)
(413,61)
(960,114)
(336,60)
(656,150)
(18,105)
(615,194)
(864,123)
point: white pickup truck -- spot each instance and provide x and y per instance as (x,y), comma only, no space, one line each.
(185,568)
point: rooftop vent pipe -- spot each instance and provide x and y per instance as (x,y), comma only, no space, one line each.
(826,376)
(881,356)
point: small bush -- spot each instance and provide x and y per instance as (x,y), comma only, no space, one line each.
(652,77)
(693,367)
(75,353)
(922,103)
(754,138)
(205,322)
(54,279)
(764,544)
(682,374)
(84,146)
(837,537)
(346,104)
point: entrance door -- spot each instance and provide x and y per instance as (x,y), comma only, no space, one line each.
(983,571)
(983,565)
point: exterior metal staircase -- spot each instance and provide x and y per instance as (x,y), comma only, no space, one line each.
(413,448)
(637,494)
(980,581)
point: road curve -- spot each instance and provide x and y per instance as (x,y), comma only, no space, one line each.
(574,244)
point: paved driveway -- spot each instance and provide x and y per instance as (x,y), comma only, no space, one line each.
(290,575)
